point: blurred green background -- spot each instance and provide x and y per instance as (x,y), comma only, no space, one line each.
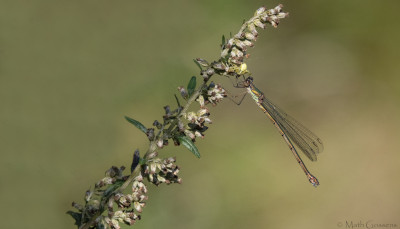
(70,71)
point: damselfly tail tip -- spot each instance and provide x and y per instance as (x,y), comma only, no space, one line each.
(314,181)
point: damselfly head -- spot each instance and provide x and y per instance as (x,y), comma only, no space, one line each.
(250,79)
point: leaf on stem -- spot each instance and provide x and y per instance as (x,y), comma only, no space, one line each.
(139,125)
(191,85)
(136,159)
(198,64)
(177,101)
(187,142)
(110,189)
(77,217)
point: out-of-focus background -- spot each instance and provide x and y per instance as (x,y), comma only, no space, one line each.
(71,70)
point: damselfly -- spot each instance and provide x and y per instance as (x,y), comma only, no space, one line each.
(290,129)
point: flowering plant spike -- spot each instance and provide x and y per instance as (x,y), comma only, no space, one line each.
(108,204)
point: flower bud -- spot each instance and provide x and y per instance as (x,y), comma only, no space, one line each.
(258,23)
(260,11)
(157,124)
(279,8)
(250,36)
(181,126)
(153,167)
(236,61)
(150,134)
(190,134)
(183,92)
(202,62)
(210,72)
(265,18)
(240,44)
(152,155)
(200,99)
(224,52)
(219,66)
(160,143)
(282,15)
(274,23)
(230,43)
(252,28)
(88,195)
(110,205)
(236,52)
(114,224)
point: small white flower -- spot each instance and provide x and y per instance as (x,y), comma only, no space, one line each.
(236,52)
(250,36)
(198,134)
(282,15)
(240,44)
(260,10)
(216,94)
(191,116)
(279,8)
(248,43)
(252,28)
(138,206)
(160,143)
(230,42)
(114,223)
(258,23)
(272,11)
(207,120)
(224,52)
(200,99)
(190,134)
(153,167)
(202,112)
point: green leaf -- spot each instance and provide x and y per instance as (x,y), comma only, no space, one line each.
(223,40)
(177,101)
(136,160)
(142,161)
(139,125)
(112,188)
(77,217)
(191,85)
(198,64)
(187,142)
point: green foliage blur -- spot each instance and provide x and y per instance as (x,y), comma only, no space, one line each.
(71,70)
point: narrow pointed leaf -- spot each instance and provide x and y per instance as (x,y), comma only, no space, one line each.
(223,40)
(77,217)
(112,188)
(191,85)
(187,142)
(139,125)
(198,64)
(136,160)
(177,101)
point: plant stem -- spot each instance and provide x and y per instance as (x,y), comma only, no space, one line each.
(152,148)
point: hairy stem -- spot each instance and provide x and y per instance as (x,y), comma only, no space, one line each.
(152,149)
